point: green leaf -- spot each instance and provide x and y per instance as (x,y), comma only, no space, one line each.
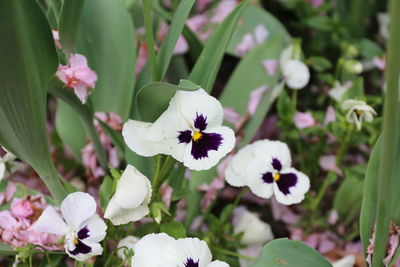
(370,49)
(68,23)
(356,91)
(319,63)
(320,23)
(370,198)
(167,47)
(6,250)
(252,17)
(106,191)
(206,68)
(174,229)
(106,38)
(66,119)
(28,61)
(284,252)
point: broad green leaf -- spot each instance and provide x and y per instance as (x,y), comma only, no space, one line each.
(68,23)
(206,68)
(167,48)
(370,49)
(370,197)
(106,38)
(66,120)
(174,229)
(252,17)
(6,250)
(28,61)
(285,252)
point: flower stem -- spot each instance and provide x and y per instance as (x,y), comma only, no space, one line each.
(86,116)
(234,254)
(150,39)
(390,138)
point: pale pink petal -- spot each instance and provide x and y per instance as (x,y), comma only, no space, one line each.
(202,4)
(7,221)
(181,46)
(56,38)
(380,63)
(261,34)
(77,61)
(304,120)
(196,23)
(141,59)
(328,163)
(333,217)
(21,208)
(230,115)
(245,45)
(330,115)
(255,98)
(82,92)
(316,3)
(270,66)
(312,240)
(223,9)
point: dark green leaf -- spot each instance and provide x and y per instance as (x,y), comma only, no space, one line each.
(174,229)
(106,191)
(6,250)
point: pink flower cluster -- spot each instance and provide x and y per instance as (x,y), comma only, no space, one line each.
(88,153)
(16,222)
(78,76)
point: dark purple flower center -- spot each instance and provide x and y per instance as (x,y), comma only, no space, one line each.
(191,263)
(202,142)
(80,247)
(284,180)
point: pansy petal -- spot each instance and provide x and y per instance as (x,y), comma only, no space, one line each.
(50,222)
(96,229)
(76,208)
(119,215)
(199,103)
(135,135)
(275,153)
(132,188)
(296,191)
(147,251)
(210,149)
(259,186)
(235,173)
(196,250)
(218,264)
(85,250)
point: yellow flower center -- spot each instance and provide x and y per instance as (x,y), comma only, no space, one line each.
(359,112)
(76,241)
(196,136)
(277,176)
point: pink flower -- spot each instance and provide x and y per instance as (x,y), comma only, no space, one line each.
(330,115)
(202,4)
(316,3)
(304,120)
(270,66)
(380,63)
(56,38)
(245,45)
(88,153)
(21,208)
(223,9)
(255,98)
(141,59)
(197,25)
(78,76)
(166,194)
(283,213)
(333,217)
(261,34)
(328,163)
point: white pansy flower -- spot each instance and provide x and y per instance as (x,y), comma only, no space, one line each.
(7,157)
(190,130)
(295,73)
(265,167)
(357,111)
(82,228)
(162,250)
(131,199)
(255,231)
(126,246)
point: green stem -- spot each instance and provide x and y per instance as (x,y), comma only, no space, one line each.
(234,254)
(161,174)
(388,163)
(86,116)
(150,39)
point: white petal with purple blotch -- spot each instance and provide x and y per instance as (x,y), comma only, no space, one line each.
(76,208)
(50,222)
(95,250)
(296,192)
(97,228)
(218,264)
(276,154)
(194,250)
(206,152)
(255,171)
